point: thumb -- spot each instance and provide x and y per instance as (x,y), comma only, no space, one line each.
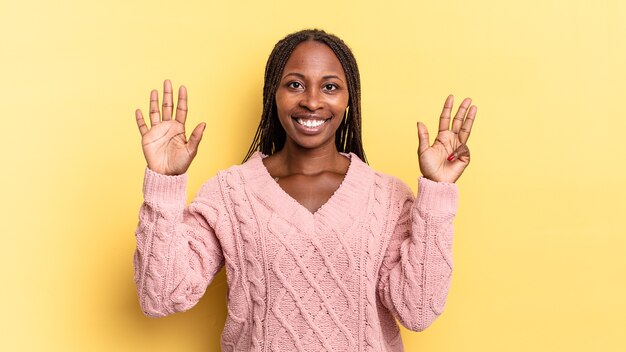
(422,134)
(196,137)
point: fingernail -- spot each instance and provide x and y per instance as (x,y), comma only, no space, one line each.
(451,157)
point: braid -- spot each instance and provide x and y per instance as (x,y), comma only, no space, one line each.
(270,136)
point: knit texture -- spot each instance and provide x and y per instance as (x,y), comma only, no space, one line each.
(333,280)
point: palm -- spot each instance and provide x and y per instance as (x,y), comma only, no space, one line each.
(164,145)
(165,148)
(446,159)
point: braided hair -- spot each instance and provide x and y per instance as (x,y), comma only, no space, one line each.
(270,136)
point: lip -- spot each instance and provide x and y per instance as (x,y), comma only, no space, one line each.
(310,130)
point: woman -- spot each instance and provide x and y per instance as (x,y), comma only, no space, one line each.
(321,251)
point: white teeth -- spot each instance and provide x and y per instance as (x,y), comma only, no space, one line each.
(310,123)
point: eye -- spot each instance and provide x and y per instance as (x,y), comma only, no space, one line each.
(330,87)
(294,85)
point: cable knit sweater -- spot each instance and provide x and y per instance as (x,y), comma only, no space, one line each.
(333,280)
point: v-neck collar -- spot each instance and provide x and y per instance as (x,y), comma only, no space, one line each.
(329,200)
(339,209)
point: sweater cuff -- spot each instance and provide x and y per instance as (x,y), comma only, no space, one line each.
(160,188)
(437,196)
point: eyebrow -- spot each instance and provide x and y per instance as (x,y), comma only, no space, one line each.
(300,75)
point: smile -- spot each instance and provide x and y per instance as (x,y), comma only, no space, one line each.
(311,123)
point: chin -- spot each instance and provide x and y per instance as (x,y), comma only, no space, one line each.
(309,144)
(312,143)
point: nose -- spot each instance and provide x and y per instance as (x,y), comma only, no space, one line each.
(311,100)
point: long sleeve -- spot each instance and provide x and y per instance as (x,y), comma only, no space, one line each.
(416,270)
(178,252)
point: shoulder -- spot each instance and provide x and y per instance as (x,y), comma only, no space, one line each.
(384,185)
(393,197)
(214,198)
(393,186)
(210,193)
(393,194)
(234,178)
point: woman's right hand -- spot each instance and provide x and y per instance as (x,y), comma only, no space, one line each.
(164,144)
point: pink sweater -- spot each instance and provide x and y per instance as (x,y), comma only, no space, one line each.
(333,280)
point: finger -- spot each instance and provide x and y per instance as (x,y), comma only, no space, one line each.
(181,106)
(467,124)
(168,102)
(155,115)
(195,138)
(444,119)
(141,123)
(422,133)
(460,115)
(462,153)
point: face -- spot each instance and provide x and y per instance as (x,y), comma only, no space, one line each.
(312,96)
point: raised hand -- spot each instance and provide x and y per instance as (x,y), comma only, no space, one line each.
(449,155)
(165,146)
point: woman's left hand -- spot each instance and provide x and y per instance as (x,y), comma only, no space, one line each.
(449,155)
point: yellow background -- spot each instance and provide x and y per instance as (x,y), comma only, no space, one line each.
(540,240)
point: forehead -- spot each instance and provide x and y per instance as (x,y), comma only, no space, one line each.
(313,57)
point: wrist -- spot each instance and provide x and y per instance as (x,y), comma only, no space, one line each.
(164,172)
(158,188)
(440,179)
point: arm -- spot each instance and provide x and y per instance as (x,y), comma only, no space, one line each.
(178,253)
(416,270)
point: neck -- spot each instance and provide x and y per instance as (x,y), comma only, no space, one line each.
(298,160)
